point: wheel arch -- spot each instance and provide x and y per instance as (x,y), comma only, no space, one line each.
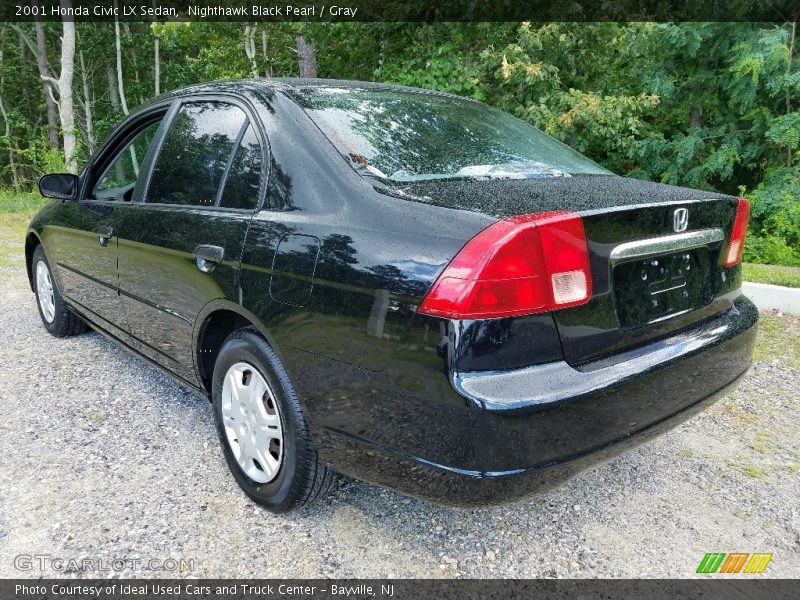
(31,242)
(216,321)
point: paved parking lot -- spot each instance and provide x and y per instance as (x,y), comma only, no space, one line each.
(103,458)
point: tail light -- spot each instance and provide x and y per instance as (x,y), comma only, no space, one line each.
(739,232)
(517,266)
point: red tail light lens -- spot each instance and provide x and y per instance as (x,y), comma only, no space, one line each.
(518,266)
(738,233)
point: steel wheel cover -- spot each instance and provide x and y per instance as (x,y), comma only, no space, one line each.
(44,291)
(252,421)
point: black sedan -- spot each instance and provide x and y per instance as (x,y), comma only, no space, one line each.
(395,284)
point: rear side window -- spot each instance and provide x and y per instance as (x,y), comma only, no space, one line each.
(195,155)
(244,176)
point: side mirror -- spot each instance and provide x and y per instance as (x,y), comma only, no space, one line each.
(59,185)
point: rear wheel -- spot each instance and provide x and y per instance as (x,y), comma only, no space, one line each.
(261,427)
(56,316)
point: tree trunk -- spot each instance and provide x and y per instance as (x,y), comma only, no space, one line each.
(41,63)
(62,86)
(156,60)
(113,97)
(87,108)
(267,67)
(23,51)
(250,47)
(307,58)
(382,54)
(792,35)
(120,84)
(157,64)
(12,164)
(134,58)
(65,106)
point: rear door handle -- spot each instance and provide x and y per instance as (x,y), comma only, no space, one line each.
(207,257)
(104,234)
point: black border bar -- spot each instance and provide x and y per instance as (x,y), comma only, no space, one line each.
(776,11)
(712,588)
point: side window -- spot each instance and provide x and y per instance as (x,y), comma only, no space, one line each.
(195,154)
(119,177)
(244,176)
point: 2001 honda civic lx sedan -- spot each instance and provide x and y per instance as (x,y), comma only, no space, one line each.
(395,284)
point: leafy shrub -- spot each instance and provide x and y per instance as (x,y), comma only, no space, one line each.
(774,235)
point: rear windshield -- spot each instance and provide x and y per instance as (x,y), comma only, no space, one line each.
(407,136)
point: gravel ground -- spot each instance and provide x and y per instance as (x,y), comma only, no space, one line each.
(104,458)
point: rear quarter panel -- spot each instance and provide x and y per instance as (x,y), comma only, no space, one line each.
(368,258)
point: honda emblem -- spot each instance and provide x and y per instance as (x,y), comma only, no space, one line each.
(680,219)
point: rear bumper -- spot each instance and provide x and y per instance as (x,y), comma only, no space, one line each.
(524,430)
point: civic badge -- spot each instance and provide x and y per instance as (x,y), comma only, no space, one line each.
(680,219)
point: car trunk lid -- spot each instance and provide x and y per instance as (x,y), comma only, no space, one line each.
(656,253)
(650,280)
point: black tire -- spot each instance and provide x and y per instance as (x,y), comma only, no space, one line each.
(302,477)
(65,322)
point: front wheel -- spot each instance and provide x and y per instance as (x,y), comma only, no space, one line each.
(261,427)
(56,316)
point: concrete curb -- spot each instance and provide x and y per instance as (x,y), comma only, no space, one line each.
(773,297)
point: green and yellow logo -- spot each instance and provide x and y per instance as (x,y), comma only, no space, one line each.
(734,562)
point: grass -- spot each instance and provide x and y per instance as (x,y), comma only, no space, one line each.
(778,339)
(742,464)
(762,442)
(774,274)
(734,412)
(25,204)
(754,471)
(16,211)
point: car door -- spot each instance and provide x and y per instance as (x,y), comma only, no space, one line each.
(181,243)
(85,236)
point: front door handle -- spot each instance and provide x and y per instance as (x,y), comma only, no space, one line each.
(104,234)
(207,257)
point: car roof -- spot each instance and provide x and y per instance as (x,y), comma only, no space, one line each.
(290,84)
(286,85)
(305,83)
